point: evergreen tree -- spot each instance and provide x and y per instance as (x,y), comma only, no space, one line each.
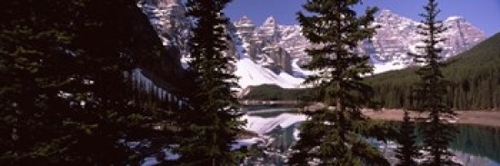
(210,127)
(407,150)
(334,135)
(430,92)
(65,83)
(473,73)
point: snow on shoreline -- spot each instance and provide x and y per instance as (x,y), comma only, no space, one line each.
(169,155)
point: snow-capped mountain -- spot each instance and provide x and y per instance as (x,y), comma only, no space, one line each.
(272,53)
(259,59)
(252,72)
(389,48)
(169,20)
(397,36)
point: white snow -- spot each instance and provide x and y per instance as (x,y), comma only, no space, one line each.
(291,79)
(385,67)
(298,71)
(262,125)
(454,18)
(169,155)
(246,142)
(252,74)
(395,37)
(185,62)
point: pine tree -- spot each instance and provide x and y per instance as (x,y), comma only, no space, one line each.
(334,135)
(408,150)
(210,127)
(431,91)
(65,85)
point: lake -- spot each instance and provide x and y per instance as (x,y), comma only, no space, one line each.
(473,145)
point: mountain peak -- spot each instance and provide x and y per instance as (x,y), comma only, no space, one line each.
(387,13)
(390,18)
(244,21)
(388,50)
(270,21)
(455,18)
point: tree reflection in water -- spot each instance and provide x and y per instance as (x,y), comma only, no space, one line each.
(473,145)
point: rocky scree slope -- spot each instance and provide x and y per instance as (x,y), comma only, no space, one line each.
(272,53)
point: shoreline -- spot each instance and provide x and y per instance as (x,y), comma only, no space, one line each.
(483,118)
(477,117)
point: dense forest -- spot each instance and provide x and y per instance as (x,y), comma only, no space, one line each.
(274,93)
(474,77)
(88,82)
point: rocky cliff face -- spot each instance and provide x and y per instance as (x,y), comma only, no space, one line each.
(262,44)
(396,37)
(169,20)
(280,48)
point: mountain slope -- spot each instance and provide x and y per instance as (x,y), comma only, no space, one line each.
(396,37)
(252,74)
(274,52)
(475,77)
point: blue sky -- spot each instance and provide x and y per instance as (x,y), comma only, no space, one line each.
(484,14)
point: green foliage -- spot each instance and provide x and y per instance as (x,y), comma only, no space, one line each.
(333,136)
(66,88)
(210,127)
(473,75)
(408,150)
(274,92)
(429,94)
(478,141)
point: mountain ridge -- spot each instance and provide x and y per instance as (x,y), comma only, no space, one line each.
(279,49)
(474,76)
(462,35)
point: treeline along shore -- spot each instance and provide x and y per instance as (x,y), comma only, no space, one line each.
(474,82)
(474,117)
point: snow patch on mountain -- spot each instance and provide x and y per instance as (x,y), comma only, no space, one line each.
(298,72)
(252,74)
(385,67)
(271,53)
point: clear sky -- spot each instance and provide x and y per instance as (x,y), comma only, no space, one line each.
(484,14)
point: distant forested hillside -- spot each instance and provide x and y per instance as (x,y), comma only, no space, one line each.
(474,77)
(274,92)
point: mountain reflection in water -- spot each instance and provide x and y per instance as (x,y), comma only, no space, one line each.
(473,145)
